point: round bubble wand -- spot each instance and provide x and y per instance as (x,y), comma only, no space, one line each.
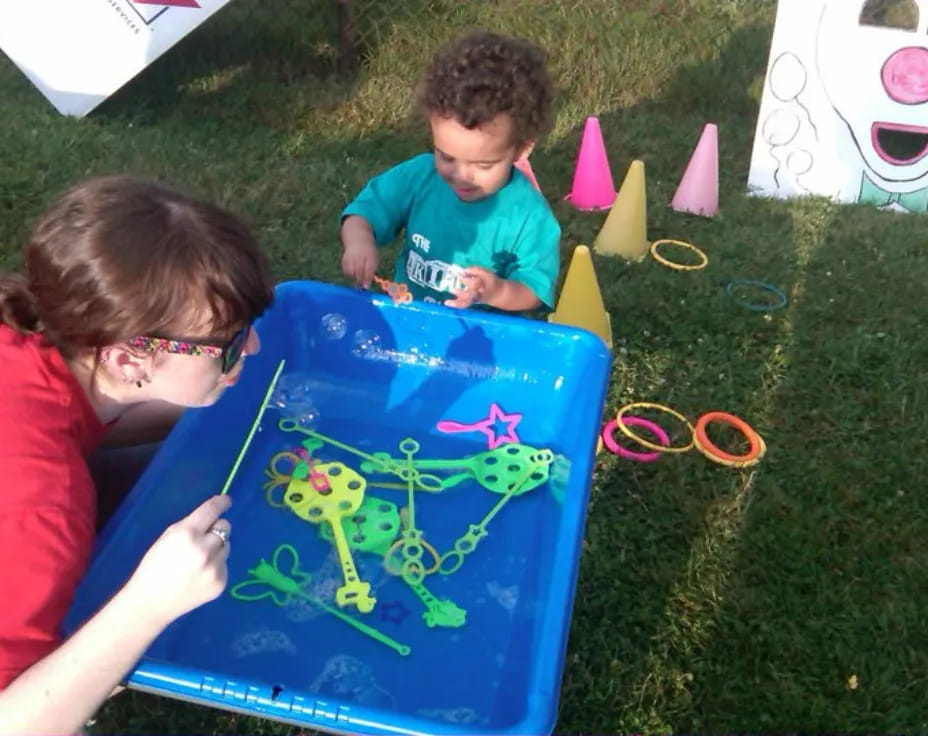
(412,570)
(452,560)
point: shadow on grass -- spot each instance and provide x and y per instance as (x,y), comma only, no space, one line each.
(823,629)
(663,540)
(246,70)
(711,599)
(243,69)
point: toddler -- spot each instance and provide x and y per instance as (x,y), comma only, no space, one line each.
(476,229)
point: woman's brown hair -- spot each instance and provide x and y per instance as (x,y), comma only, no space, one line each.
(117,257)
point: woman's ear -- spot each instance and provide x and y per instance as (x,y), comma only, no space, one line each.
(125,364)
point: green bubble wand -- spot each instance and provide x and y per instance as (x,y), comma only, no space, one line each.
(254,428)
(282,588)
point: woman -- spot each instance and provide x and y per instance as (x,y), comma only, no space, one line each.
(135,302)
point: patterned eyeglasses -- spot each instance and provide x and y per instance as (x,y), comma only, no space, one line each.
(230,353)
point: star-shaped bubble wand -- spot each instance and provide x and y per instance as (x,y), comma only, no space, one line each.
(488,426)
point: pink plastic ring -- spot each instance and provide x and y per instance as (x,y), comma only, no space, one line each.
(641,457)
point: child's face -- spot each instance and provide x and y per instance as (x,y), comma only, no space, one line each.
(476,162)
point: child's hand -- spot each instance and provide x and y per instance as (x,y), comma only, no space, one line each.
(480,285)
(359,262)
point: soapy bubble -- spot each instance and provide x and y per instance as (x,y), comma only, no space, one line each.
(259,642)
(292,389)
(348,678)
(333,326)
(451,715)
(507,597)
(308,418)
(293,397)
(366,344)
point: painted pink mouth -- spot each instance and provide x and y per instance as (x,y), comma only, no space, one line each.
(899,144)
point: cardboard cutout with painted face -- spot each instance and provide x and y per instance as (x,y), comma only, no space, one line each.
(844,112)
(872,59)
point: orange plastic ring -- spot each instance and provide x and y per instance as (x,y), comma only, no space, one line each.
(713,452)
(731,464)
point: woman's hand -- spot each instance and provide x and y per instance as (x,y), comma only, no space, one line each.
(183,569)
(186,566)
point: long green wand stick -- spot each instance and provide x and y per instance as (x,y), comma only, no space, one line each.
(254,428)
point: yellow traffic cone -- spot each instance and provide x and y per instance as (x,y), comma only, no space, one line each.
(624,232)
(581,302)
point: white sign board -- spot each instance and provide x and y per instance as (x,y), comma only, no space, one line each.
(844,112)
(79,52)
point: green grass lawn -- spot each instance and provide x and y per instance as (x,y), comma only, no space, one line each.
(709,599)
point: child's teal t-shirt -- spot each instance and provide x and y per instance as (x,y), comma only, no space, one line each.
(512,233)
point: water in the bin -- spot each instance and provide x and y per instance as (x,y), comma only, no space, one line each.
(485,637)
(496,587)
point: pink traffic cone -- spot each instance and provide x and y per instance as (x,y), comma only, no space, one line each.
(698,192)
(525,167)
(592,188)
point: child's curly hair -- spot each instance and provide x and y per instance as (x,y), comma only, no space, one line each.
(483,74)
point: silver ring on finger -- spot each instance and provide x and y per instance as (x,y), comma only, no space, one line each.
(220,532)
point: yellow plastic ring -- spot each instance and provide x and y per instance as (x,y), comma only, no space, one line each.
(704,259)
(647,443)
(271,486)
(425,545)
(733,463)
